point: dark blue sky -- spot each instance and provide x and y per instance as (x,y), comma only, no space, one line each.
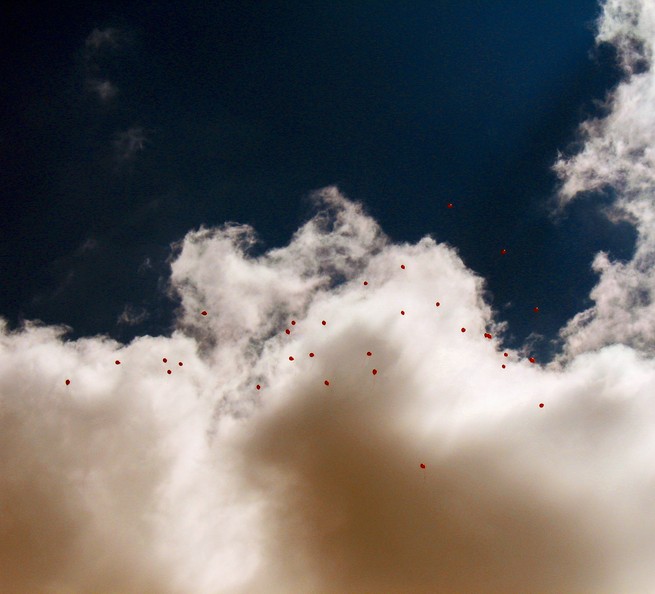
(236,112)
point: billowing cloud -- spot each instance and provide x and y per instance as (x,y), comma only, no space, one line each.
(255,449)
(618,155)
(135,479)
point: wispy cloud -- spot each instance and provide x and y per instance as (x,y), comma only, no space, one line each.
(103,38)
(618,152)
(129,142)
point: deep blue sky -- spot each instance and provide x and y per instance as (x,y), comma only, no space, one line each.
(247,107)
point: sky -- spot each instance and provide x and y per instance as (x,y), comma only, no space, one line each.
(314,297)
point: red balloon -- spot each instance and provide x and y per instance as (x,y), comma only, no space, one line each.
(169,372)
(117,362)
(531,359)
(288,331)
(259,387)
(327,383)
(203,312)
(365,283)
(536,310)
(402,312)
(368,353)
(375,372)
(503,365)
(503,252)
(463,329)
(541,405)
(290,358)
(505,355)
(293,322)
(437,304)
(402,266)
(422,465)
(450,205)
(311,354)
(180,363)
(323,322)
(68,382)
(165,360)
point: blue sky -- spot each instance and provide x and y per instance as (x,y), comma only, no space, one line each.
(247,346)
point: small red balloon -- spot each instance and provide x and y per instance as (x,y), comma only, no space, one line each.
(437,304)
(503,365)
(165,360)
(374,372)
(68,382)
(368,353)
(541,405)
(203,312)
(293,322)
(288,331)
(117,362)
(365,283)
(327,383)
(450,205)
(290,358)
(259,387)
(402,312)
(503,252)
(311,354)
(323,322)
(536,310)
(463,329)
(422,465)
(505,355)
(180,363)
(402,266)
(531,359)
(169,372)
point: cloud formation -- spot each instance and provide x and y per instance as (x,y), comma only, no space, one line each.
(618,155)
(254,450)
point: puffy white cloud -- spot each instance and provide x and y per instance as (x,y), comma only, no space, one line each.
(133,479)
(618,152)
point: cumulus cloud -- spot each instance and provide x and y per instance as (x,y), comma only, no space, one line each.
(618,154)
(130,478)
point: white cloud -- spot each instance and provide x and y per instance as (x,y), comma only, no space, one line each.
(618,152)
(197,482)
(104,89)
(103,38)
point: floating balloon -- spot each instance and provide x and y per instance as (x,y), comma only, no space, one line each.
(203,312)
(165,360)
(531,359)
(402,312)
(463,329)
(503,252)
(68,382)
(180,363)
(374,372)
(327,383)
(365,283)
(541,405)
(536,310)
(117,362)
(169,372)
(323,322)
(437,304)
(422,465)
(450,205)
(368,353)
(259,387)
(290,358)
(288,331)
(293,322)
(311,354)
(503,366)
(402,266)
(505,355)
